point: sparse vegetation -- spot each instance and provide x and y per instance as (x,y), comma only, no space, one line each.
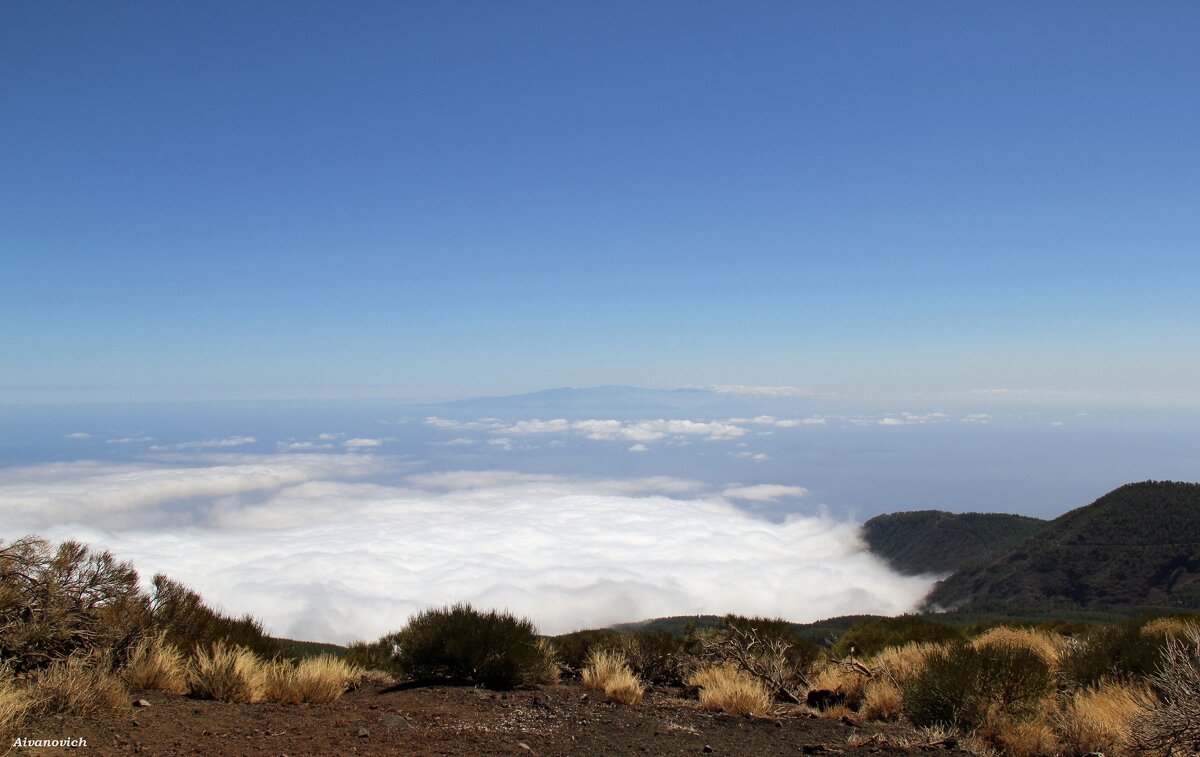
(1174,726)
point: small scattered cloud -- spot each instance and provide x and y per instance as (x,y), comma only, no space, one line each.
(78,435)
(977,418)
(232,441)
(639,447)
(760,391)
(130,440)
(360,443)
(765,492)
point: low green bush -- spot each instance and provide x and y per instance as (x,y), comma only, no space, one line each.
(575,647)
(962,687)
(1118,652)
(871,636)
(495,649)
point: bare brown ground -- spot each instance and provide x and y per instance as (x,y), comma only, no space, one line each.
(460,720)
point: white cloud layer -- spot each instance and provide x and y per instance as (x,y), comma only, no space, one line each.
(317,550)
(232,441)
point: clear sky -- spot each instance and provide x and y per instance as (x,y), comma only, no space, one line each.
(206,200)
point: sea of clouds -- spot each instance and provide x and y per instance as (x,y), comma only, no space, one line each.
(318,548)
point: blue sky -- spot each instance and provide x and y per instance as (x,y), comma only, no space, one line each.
(431,200)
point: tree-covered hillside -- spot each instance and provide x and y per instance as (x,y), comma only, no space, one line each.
(933,541)
(1137,545)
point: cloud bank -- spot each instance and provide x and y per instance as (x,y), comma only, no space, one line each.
(318,548)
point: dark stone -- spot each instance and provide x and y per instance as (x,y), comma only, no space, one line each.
(823,699)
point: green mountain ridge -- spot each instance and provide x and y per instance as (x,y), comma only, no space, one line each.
(1136,545)
(935,541)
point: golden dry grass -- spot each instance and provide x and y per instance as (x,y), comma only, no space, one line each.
(602,664)
(882,700)
(905,662)
(607,670)
(1044,644)
(1022,739)
(78,686)
(156,665)
(1101,719)
(227,673)
(729,689)
(14,706)
(324,679)
(1167,627)
(624,687)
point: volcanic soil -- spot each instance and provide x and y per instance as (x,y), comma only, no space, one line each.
(564,719)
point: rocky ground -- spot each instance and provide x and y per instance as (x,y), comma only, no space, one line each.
(459,720)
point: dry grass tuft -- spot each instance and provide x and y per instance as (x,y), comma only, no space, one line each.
(228,674)
(1167,627)
(1023,739)
(607,670)
(903,663)
(838,712)
(624,687)
(156,665)
(324,679)
(729,689)
(14,705)
(1046,645)
(882,700)
(78,686)
(1101,719)
(602,664)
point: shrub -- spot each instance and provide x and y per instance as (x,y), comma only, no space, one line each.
(573,648)
(871,636)
(1167,626)
(1044,644)
(962,687)
(1101,719)
(228,674)
(1112,653)
(767,649)
(1174,726)
(545,669)
(57,602)
(731,689)
(900,664)
(78,686)
(497,650)
(654,656)
(156,665)
(376,655)
(190,624)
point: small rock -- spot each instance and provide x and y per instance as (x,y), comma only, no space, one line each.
(134,723)
(707,749)
(846,720)
(525,746)
(140,703)
(813,749)
(583,698)
(779,724)
(363,733)
(393,720)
